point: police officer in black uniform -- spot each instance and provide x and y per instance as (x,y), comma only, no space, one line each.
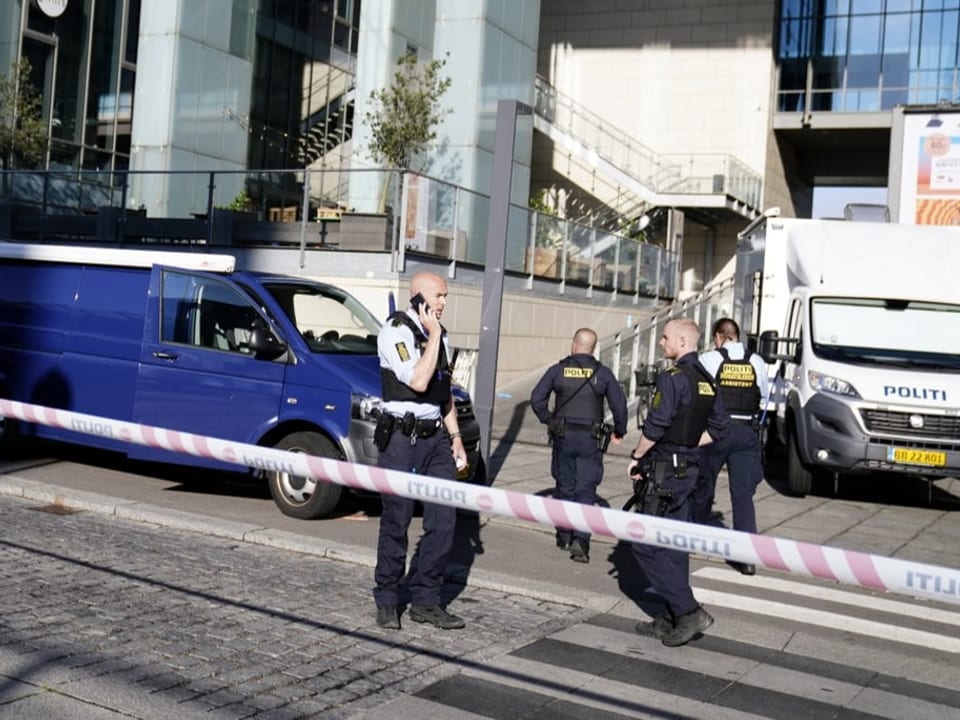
(417,432)
(685,413)
(579,383)
(742,383)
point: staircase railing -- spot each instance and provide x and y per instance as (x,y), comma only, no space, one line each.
(635,349)
(695,173)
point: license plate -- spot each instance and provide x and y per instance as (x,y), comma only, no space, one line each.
(907,456)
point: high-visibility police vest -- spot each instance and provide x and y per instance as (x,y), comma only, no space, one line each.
(690,421)
(737,384)
(438,390)
(576,398)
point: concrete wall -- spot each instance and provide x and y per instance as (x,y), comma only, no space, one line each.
(687,79)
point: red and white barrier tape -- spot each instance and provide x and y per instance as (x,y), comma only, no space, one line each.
(845,566)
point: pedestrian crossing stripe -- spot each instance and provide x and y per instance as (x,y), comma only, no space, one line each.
(917,610)
(830,620)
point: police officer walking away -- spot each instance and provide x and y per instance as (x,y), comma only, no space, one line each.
(417,432)
(579,383)
(741,378)
(685,414)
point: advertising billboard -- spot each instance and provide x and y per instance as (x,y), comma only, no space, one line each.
(924,180)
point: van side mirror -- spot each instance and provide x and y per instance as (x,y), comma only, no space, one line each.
(767,345)
(264,343)
(773,347)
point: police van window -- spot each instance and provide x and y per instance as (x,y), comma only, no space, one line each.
(793,327)
(329,319)
(204,312)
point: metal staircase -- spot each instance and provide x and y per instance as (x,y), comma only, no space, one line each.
(630,177)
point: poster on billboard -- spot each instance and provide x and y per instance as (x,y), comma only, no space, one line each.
(925,166)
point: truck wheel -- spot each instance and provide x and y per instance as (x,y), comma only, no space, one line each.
(303,497)
(799,476)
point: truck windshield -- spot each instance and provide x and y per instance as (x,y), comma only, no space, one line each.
(902,333)
(329,319)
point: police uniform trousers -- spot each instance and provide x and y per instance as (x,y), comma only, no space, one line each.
(740,450)
(429,456)
(668,571)
(577,468)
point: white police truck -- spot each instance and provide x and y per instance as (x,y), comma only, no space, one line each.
(860,325)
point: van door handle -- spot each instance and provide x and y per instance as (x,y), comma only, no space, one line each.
(160,355)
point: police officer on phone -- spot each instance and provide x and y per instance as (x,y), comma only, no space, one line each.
(417,432)
(742,383)
(579,436)
(685,413)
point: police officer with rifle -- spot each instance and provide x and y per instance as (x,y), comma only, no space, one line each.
(685,414)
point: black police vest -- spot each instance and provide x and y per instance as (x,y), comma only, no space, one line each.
(438,390)
(691,420)
(576,397)
(737,384)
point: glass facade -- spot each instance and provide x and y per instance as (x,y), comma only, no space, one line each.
(304,67)
(866,55)
(84,64)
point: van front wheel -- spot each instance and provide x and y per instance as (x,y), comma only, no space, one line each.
(799,476)
(303,497)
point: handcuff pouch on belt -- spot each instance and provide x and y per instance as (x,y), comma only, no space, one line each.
(650,496)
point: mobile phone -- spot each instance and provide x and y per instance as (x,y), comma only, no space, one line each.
(417,300)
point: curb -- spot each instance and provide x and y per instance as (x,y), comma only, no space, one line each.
(138,512)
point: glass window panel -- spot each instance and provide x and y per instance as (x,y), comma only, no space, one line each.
(133,31)
(896,34)
(948,39)
(824,101)
(891,98)
(863,71)
(827,73)
(793,74)
(866,7)
(930,27)
(865,35)
(895,6)
(790,102)
(867,100)
(794,39)
(923,96)
(836,7)
(896,70)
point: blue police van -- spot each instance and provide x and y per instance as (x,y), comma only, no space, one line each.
(186,342)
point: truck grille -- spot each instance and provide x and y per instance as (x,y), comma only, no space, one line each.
(898,423)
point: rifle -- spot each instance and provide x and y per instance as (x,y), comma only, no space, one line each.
(649,497)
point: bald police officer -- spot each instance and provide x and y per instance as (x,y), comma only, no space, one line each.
(685,414)
(417,432)
(579,384)
(742,383)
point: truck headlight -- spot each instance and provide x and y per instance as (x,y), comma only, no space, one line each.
(365,407)
(830,384)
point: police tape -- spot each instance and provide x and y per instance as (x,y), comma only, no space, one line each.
(820,561)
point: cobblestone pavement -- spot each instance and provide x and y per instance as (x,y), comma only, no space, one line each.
(107,618)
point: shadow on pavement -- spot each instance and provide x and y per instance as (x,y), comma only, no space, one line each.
(631,581)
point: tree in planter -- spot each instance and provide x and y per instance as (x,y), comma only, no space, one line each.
(23,133)
(404,116)
(549,237)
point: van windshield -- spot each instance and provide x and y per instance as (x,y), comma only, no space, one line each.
(900,333)
(329,319)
